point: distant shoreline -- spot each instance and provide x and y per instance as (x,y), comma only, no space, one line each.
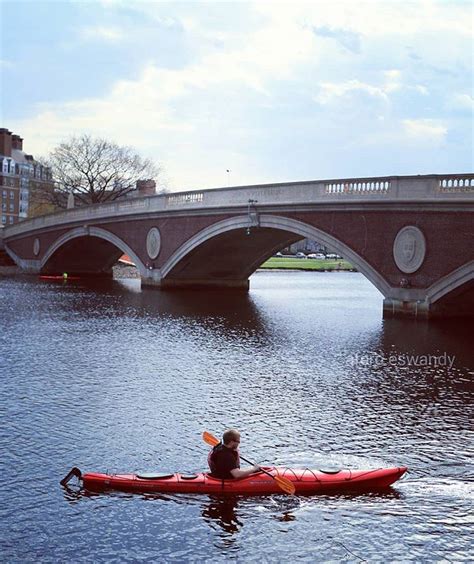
(305,270)
(283,264)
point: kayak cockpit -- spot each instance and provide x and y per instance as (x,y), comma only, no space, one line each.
(304,481)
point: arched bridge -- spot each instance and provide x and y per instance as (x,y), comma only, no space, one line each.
(411,236)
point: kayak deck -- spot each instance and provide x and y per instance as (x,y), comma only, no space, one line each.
(306,481)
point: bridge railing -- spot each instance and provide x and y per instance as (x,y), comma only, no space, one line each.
(429,187)
(359,187)
(447,184)
(425,188)
(454,183)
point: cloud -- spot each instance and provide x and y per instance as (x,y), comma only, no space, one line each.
(425,129)
(102,33)
(421,89)
(245,99)
(330,91)
(462,102)
(348,39)
(372,18)
(393,80)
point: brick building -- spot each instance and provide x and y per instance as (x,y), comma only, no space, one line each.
(20,178)
(143,188)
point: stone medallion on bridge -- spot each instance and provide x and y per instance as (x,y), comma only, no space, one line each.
(153,243)
(409,249)
(36,247)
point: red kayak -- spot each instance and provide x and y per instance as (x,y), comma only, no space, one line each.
(305,481)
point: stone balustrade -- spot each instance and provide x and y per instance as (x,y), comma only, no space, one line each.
(426,188)
(464,183)
(359,187)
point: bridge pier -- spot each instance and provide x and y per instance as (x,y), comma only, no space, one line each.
(451,297)
(423,309)
(394,307)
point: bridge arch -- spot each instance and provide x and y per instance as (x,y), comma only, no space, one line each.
(91,232)
(294,230)
(451,283)
(454,293)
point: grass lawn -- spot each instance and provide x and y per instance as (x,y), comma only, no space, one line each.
(307,264)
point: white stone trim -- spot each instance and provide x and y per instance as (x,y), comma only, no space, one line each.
(423,189)
(24,264)
(412,235)
(310,232)
(153,243)
(213,230)
(285,224)
(93,232)
(450,282)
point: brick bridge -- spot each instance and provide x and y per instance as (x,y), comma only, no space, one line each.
(411,236)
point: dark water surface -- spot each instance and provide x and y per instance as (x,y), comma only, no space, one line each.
(113,378)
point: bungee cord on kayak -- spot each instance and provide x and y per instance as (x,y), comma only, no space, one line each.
(256,480)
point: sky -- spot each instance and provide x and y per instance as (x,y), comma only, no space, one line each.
(269,91)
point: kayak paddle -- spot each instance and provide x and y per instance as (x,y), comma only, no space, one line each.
(285,484)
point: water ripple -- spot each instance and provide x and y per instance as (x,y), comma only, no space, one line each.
(110,378)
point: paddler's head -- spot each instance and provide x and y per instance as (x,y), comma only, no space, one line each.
(231,439)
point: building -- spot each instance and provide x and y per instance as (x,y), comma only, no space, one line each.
(143,188)
(305,246)
(21,177)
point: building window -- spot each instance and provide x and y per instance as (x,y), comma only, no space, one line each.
(4,206)
(10,219)
(12,207)
(4,218)
(12,194)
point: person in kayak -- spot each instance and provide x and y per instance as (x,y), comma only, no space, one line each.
(224,460)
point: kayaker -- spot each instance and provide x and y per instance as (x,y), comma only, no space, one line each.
(224,460)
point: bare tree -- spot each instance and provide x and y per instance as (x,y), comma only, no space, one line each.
(96,170)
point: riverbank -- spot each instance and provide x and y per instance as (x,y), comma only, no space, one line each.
(316,265)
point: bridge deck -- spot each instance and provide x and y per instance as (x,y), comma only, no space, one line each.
(454,188)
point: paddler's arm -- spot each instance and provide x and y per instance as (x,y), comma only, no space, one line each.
(238,473)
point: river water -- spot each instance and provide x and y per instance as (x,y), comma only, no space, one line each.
(112,378)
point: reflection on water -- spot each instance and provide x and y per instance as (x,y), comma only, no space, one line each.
(221,511)
(109,377)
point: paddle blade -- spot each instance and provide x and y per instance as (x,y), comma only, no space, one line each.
(210,439)
(285,484)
